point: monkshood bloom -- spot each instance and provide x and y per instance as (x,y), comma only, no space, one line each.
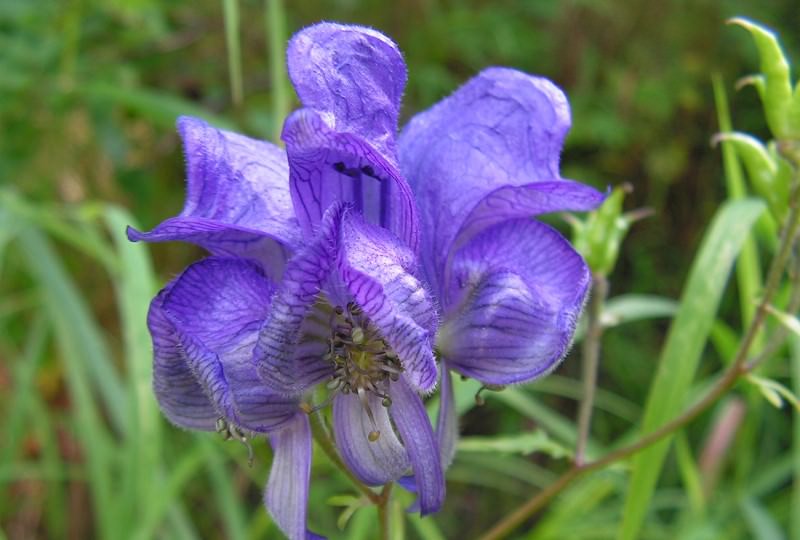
(356,259)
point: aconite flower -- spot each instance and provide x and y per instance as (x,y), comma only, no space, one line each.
(356,259)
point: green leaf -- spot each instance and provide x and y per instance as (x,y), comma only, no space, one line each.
(135,285)
(562,429)
(791,322)
(782,115)
(523,443)
(636,307)
(161,108)
(761,524)
(86,359)
(774,392)
(684,345)
(748,273)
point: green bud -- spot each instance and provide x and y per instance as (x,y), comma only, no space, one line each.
(781,108)
(599,237)
(769,173)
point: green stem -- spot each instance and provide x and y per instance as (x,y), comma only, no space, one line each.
(324,440)
(276,39)
(738,368)
(230,10)
(383,512)
(591,357)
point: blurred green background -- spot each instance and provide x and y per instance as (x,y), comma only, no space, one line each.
(89,93)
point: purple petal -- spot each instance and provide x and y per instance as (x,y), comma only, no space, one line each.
(353,75)
(286,363)
(378,272)
(374,463)
(181,397)
(518,289)
(328,166)
(528,200)
(415,430)
(286,496)
(447,419)
(502,128)
(237,202)
(216,307)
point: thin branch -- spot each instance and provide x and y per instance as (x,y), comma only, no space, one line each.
(590,357)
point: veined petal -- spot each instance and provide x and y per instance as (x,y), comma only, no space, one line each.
(281,356)
(237,201)
(528,200)
(181,397)
(415,430)
(328,166)
(502,128)
(216,307)
(517,292)
(353,75)
(378,272)
(373,462)
(446,419)
(286,496)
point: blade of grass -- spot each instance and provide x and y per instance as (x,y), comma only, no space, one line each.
(693,485)
(426,528)
(171,486)
(82,350)
(51,220)
(748,267)
(276,39)
(23,391)
(685,341)
(159,107)
(225,493)
(749,281)
(135,284)
(556,425)
(230,9)
(794,342)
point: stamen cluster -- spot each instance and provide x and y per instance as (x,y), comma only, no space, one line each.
(363,361)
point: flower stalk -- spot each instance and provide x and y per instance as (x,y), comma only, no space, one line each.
(591,358)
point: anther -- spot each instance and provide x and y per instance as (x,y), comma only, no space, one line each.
(491,387)
(357,335)
(387,402)
(374,436)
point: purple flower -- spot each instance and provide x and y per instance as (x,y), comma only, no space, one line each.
(355,254)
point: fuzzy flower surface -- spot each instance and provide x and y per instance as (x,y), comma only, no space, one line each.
(357,258)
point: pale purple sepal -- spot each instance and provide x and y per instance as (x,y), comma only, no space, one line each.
(373,462)
(414,428)
(286,496)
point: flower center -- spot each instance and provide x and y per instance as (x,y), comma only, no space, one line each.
(363,361)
